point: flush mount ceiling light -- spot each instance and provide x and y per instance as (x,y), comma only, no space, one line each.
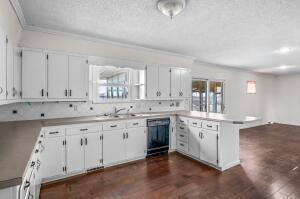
(171,8)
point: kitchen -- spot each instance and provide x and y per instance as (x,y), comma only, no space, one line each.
(79,108)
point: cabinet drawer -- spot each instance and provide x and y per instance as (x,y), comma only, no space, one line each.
(182,146)
(135,123)
(54,132)
(182,128)
(182,120)
(210,125)
(182,136)
(195,123)
(83,129)
(108,126)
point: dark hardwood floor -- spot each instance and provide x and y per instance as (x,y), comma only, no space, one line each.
(270,157)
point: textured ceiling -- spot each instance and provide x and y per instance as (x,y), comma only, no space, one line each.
(239,33)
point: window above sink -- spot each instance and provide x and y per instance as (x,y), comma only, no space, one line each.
(115,84)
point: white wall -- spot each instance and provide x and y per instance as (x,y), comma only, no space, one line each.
(287,99)
(237,101)
(95,47)
(9,22)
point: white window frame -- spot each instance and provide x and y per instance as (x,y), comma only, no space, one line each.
(207,93)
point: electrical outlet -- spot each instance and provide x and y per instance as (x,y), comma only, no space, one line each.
(75,107)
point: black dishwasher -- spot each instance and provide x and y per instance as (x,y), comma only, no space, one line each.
(158,136)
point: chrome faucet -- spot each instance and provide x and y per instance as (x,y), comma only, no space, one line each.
(116,111)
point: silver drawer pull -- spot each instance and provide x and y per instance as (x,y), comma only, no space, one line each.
(181,144)
(54,132)
(181,120)
(181,127)
(181,135)
(84,129)
(210,126)
(113,126)
(135,124)
(27,184)
(195,123)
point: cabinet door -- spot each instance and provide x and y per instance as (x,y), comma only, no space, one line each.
(78,77)
(185,83)
(74,153)
(9,70)
(173,133)
(17,73)
(209,147)
(33,74)
(194,142)
(175,83)
(93,150)
(164,82)
(57,76)
(2,65)
(152,82)
(113,146)
(136,143)
(53,158)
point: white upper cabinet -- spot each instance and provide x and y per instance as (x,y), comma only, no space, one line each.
(186,83)
(164,82)
(180,83)
(57,76)
(2,65)
(9,71)
(33,74)
(175,82)
(78,77)
(52,76)
(152,82)
(158,82)
(17,62)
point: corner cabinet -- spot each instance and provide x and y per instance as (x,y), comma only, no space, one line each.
(50,76)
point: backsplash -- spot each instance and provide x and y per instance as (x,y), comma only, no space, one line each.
(47,110)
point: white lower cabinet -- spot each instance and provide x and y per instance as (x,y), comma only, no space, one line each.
(54,157)
(75,153)
(135,143)
(173,133)
(93,150)
(124,144)
(209,146)
(194,142)
(113,146)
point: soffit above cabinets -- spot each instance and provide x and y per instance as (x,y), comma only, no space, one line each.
(243,34)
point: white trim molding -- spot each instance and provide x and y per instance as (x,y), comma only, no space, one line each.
(18,10)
